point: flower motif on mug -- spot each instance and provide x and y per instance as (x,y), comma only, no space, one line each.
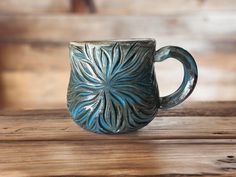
(112,88)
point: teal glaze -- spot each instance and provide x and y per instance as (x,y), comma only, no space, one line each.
(190,74)
(112,87)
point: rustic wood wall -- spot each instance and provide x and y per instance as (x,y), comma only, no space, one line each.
(34,64)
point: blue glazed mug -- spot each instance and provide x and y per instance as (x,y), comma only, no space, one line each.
(112,87)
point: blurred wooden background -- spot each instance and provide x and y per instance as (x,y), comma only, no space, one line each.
(34,35)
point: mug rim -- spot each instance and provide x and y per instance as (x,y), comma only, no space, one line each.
(128,40)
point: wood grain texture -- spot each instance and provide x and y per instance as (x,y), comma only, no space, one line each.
(34,7)
(158,7)
(45,56)
(115,158)
(209,27)
(42,89)
(38,56)
(195,139)
(185,122)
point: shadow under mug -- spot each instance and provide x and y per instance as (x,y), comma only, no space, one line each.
(112,87)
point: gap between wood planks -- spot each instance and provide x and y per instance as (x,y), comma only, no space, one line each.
(212,122)
(194,139)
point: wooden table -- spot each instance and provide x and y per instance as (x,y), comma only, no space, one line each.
(195,139)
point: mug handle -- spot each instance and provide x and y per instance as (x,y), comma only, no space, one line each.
(190,74)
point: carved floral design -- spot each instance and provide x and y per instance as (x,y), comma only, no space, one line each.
(112,87)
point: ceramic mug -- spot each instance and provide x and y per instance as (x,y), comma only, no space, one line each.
(112,87)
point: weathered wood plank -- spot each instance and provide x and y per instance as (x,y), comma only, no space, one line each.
(50,128)
(34,7)
(207,26)
(42,89)
(114,158)
(194,121)
(43,56)
(162,7)
(206,108)
(191,140)
(34,56)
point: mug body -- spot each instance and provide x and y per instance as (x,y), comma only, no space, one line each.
(112,87)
